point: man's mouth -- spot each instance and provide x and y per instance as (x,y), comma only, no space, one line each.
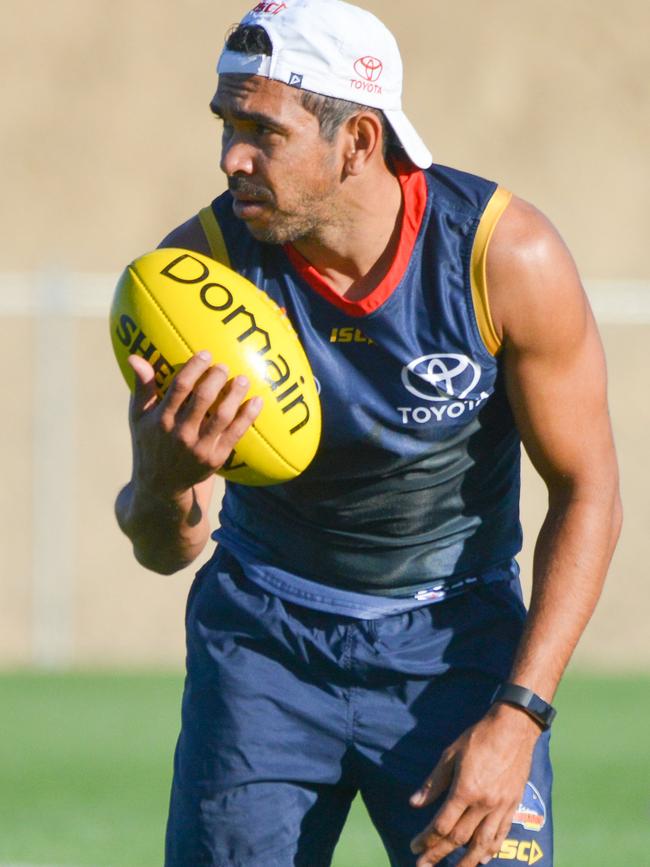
(249,199)
(246,207)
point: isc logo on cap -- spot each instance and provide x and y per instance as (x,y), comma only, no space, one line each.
(269,8)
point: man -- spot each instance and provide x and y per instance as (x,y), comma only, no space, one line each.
(361,628)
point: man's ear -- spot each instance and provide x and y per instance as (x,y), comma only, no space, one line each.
(363,141)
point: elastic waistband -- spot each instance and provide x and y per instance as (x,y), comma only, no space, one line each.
(364,606)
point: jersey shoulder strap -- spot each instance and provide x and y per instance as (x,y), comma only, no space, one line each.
(478,269)
(214,235)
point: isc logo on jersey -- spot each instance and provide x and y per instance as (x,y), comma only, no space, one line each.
(445,381)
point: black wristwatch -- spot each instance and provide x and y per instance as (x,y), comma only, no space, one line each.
(519,696)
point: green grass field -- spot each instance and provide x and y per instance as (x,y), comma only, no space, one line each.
(85,762)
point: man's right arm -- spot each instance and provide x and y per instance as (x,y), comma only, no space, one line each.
(178,444)
(167,534)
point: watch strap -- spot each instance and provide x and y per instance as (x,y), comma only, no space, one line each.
(534,705)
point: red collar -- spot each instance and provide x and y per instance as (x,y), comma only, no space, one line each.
(414,192)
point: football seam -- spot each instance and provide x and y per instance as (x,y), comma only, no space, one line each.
(253,427)
(273,449)
(156,303)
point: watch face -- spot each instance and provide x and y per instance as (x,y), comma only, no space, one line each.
(539,708)
(542,710)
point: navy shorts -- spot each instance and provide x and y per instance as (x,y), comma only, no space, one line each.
(288,712)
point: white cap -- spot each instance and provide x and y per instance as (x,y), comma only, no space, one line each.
(334,49)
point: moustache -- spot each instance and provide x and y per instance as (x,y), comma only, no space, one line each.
(244,187)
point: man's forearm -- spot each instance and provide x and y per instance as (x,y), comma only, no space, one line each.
(572,555)
(168,534)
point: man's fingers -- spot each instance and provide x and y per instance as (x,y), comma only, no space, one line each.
(436,783)
(216,415)
(505,826)
(144,394)
(203,415)
(225,406)
(230,436)
(485,843)
(208,392)
(478,828)
(473,829)
(492,833)
(444,835)
(184,382)
(442,828)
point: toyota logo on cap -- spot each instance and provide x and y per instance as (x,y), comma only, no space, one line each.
(441,377)
(369,68)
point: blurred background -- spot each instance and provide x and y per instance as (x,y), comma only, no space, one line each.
(107,143)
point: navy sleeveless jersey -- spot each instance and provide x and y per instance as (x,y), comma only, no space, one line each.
(416,479)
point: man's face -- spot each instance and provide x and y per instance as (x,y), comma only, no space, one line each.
(283,175)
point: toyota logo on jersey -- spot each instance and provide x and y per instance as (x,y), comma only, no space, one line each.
(369,68)
(441,377)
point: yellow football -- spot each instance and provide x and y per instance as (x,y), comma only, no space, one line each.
(172,303)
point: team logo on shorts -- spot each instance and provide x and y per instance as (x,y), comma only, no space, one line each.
(295,80)
(441,377)
(531,813)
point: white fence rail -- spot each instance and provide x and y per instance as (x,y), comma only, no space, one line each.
(89,295)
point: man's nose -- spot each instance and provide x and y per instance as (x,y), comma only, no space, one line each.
(236,157)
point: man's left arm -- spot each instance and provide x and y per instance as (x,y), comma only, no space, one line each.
(557,386)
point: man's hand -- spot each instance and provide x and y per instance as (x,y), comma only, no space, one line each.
(184,438)
(178,444)
(485,772)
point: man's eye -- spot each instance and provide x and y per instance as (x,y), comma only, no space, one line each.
(261,129)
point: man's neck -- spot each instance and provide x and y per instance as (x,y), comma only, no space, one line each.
(354,253)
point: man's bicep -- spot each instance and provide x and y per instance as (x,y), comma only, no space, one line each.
(558,394)
(552,354)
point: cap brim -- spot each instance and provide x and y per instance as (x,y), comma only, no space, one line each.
(238,63)
(415,148)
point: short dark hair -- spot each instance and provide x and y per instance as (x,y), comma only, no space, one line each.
(330,111)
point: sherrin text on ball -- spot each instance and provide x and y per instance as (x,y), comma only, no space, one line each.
(172,303)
